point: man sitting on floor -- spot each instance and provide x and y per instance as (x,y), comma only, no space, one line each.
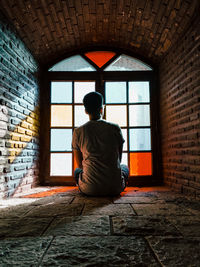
(97,147)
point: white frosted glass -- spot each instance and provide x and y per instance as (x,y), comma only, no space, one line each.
(74,63)
(124,133)
(140,139)
(139,115)
(116,114)
(138,92)
(115,92)
(61,92)
(61,139)
(81,89)
(127,63)
(61,164)
(61,115)
(124,159)
(80,116)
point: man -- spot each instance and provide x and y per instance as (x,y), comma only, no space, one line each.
(97,147)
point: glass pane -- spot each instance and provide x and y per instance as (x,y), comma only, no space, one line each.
(100,57)
(115,92)
(140,164)
(116,114)
(61,115)
(80,116)
(127,63)
(138,92)
(61,164)
(81,89)
(61,92)
(75,163)
(124,133)
(124,159)
(140,139)
(61,139)
(139,115)
(74,63)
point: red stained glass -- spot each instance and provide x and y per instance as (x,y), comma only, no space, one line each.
(140,164)
(100,57)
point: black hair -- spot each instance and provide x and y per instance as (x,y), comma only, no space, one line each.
(93,102)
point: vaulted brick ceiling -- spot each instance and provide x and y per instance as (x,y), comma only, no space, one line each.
(52,28)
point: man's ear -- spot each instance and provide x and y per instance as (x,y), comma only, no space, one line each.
(86,111)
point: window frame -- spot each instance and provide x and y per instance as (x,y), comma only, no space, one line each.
(100,77)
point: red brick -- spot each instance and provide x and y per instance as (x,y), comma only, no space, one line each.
(180,113)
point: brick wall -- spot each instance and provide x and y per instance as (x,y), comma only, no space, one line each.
(19,118)
(180,113)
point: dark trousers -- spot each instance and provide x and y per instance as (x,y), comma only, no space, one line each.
(124,171)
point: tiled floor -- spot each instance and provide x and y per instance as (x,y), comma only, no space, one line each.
(142,227)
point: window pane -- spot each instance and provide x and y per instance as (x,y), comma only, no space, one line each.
(115,92)
(139,115)
(74,63)
(124,133)
(116,114)
(127,63)
(124,159)
(81,89)
(140,139)
(80,116)
(61,139)
(61,164)
(140,164)
(100,57)
(138,92)
(75,164)
(61,115)
(61,92)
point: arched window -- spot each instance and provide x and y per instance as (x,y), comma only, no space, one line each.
(126,84)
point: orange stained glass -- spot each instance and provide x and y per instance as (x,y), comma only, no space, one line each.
(140,164)
(100,57)
(75,163)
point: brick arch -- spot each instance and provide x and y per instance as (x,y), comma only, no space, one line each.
(50,28)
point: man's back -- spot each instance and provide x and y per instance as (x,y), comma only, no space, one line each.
(99,142)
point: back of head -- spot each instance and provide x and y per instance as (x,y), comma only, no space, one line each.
(93,102)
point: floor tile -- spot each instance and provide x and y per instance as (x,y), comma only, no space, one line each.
(168,196)
(55,210)
(143,226)
(15,211)
(160,209)
(108,209)
(53,200)
(136,199)
(173,251)
(92,200)
(7,226)
(22,252)
(99,251)
(193,205)
(187,225)
(80,225)
(144,191)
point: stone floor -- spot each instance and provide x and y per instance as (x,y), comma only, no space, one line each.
(142,227)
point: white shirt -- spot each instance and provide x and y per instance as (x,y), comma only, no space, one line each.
(100,142)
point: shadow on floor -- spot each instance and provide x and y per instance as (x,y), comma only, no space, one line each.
(61,227)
